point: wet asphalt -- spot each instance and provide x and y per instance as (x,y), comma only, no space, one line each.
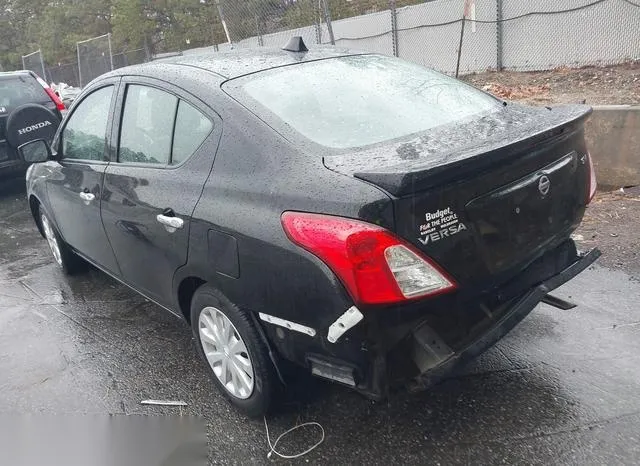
(561,388)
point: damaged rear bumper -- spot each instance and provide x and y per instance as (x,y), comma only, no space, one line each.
(431,354)
(517,312)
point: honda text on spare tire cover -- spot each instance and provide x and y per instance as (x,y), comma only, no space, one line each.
(39,125)
(370,220)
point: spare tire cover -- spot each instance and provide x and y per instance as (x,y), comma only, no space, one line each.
(30,122)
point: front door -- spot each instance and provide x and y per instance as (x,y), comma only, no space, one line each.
(75,188)
(153,187)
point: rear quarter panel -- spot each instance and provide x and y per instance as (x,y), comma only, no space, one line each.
(257,175)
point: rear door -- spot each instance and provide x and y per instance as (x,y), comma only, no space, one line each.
(152,187)
(75,188)
(17,90)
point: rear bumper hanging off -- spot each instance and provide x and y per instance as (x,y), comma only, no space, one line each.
(519,310)
(431,358)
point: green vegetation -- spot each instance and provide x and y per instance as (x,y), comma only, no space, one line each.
(54,26)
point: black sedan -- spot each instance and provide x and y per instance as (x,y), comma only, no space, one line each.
(370,220)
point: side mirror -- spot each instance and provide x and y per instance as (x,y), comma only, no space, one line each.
(35,151)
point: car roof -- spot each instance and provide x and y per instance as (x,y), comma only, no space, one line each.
(13,74)
(236,63)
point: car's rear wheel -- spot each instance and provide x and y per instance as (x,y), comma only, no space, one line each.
(236,356)
(62,253)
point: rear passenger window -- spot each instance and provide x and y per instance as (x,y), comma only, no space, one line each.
(192,128)
(147,125)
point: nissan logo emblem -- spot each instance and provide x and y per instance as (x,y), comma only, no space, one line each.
(543,185)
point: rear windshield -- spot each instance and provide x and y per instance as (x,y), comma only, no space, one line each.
(361,100)
(19,90)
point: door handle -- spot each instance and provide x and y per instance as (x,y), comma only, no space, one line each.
(171,222)
(87,197)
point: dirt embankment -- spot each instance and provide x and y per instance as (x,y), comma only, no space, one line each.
(609,85)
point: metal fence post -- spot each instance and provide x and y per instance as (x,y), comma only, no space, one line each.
(44,73)
(394,27)
(213,29)
(79,65)
(223,21)
(260,39)
(464,20)
(327,19)
(110,51)
(499,36)
(316,15)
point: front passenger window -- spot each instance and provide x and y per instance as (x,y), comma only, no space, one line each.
(84,135)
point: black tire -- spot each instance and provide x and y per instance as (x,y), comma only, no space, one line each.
(265,381)
(69,261)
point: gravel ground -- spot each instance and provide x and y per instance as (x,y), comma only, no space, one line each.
(612,223)
(609,85)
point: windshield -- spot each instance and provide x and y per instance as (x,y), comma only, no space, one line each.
(19,90)
(361,100)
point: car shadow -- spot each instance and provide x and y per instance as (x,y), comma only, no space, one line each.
(12,187)
(470,406)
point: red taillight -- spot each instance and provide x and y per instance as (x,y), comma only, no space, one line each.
(593,184)
(374,265)
(51,93)
(56,100)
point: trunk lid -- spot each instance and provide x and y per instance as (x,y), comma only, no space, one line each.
(486,197)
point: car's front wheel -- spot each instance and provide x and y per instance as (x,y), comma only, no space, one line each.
(235,354)
(62,253)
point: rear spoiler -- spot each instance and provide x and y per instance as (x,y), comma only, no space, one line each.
(453,161)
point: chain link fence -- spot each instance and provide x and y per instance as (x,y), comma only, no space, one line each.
(34,62)
(601,32)
(64,73)
(451,36)
(94,58)
(130,57)
(258,23)
(469,35)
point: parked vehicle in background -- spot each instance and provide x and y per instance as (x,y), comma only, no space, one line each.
(18,88)
(66,93)
(370,220)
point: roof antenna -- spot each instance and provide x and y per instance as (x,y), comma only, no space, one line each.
(295,44)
